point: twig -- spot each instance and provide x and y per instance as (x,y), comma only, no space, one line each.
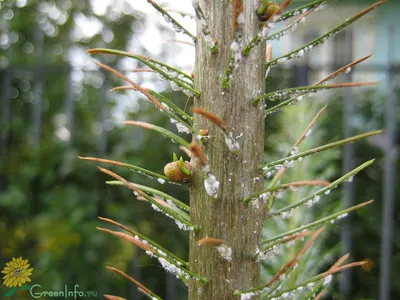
(133,168)
(155,246)
(314,198)
(329,77)
(177,26)
(161,130)
(182,42)
(137,283)
(320,148)
(303,90)
(321,39)
(319,222)
(304,134)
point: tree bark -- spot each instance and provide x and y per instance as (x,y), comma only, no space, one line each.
(226,217)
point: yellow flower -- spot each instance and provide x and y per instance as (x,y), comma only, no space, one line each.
(17,272)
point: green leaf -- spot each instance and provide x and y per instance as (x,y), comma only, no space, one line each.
(321,39)
(290,159)
(263,7)
(264,31)
(167,262)
(182,167)
(302,9)
(11,292)
(155,192)
(152,243)
(304,90)
(133,168)
(152,63)
(313,280)
(310,199)
(288,29)
(181,221)
(163,131)
(26,287)
(177,26)
(331,218)
(172,106)
(339,71)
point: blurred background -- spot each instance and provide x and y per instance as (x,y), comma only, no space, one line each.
(56,104)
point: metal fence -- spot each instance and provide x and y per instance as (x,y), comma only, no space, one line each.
(301,75)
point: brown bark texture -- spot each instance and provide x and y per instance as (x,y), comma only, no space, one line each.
(225,217)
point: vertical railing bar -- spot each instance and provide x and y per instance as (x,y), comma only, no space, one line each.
(102,139)
(6,108)
(38,89)
(102,136)
(389,175)
(348,164)
(69,106)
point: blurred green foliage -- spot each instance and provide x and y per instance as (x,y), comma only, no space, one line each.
(49,200)
(367,223)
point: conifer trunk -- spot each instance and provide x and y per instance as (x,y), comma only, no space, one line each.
(226,217)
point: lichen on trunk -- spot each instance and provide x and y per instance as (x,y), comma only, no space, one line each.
(226,217)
